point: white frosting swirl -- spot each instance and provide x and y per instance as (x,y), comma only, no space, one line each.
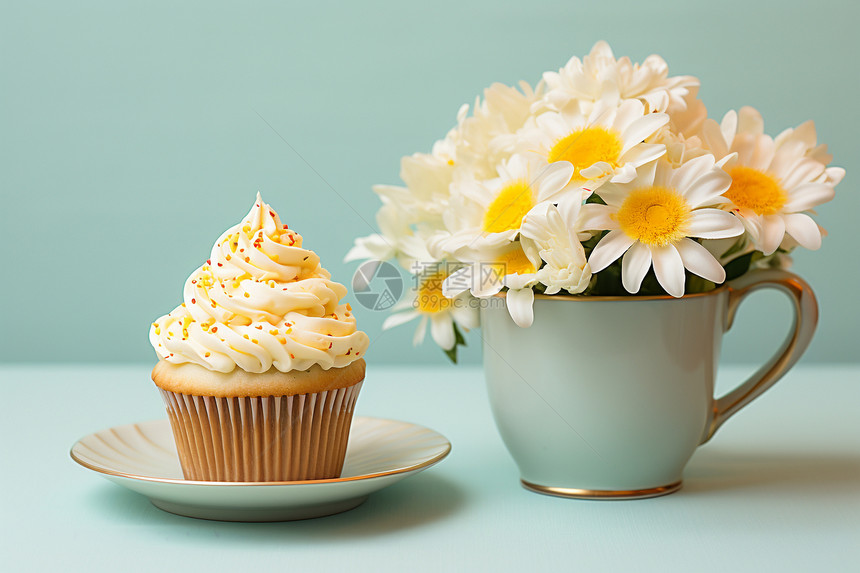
(260,301)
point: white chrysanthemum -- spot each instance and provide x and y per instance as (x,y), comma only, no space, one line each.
(607,145)
(774,181)
(428,179)
(554,230)
(600,76)
(425,302)
(682,135)
(470,150)
(513,266)
(651,218)
(486,138)
(488,214)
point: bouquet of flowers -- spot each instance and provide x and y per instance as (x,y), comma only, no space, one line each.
(607,178)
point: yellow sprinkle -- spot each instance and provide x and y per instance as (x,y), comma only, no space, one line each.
(245,336)
(247,295)
(282,340)
(273,332)
(207,355)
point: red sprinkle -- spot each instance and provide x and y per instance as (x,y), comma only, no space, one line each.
(214,329)
(208,261)
(220,265)
(193,301)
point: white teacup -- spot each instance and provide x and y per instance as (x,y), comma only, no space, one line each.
(608,397)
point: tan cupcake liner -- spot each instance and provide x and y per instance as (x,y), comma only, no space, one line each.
(269,438)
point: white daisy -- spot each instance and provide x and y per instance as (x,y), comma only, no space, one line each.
(488,214)
(554,230)
(427,303)
(600,76)
(606,145)
(775,182)
(513,266)
(651,218)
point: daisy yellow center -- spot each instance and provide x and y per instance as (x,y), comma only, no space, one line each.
(755,190)
(654,216)
(507,210)
(430,298)
(585,147)
(516,262)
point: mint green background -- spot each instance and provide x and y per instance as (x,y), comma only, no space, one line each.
(130,138)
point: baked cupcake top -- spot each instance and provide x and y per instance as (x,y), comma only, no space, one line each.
(261,301)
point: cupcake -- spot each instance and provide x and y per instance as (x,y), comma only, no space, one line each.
(261,365)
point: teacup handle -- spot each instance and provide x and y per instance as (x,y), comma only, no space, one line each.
(805,320)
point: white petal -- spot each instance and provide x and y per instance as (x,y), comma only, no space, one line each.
(520,303)
(807,196)
(609,249)
(643,153)
(457,282)
(442,330)
(669,269)
(371,247)
(834,175)
(466,316)
(750,121)
(685,176)
(625,174)
(597,170)
(798,172)
(713,224)
(398,319)
(628,113)
(729,126)
(772,233)
(489,280)
(803,229)
(569,207)
(420,331)
(595,217)
(713,138)
(642,129)
(707,189)
(699,261)
(634,266)
(553,179)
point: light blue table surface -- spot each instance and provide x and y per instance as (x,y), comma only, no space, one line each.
(777,489)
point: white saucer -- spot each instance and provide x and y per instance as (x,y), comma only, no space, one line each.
(142,457)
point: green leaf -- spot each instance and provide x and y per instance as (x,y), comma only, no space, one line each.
(458,341)
(739,266)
